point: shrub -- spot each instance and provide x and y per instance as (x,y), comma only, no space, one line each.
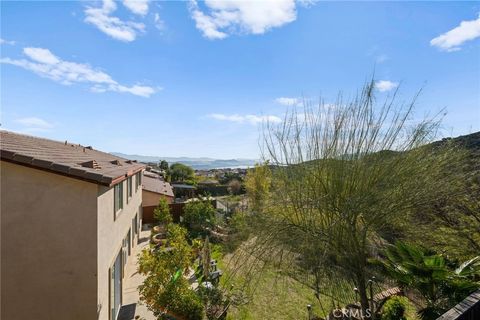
(161,213)
(395,308)
(198,216)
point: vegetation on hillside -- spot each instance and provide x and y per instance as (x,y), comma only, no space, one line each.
(353,199)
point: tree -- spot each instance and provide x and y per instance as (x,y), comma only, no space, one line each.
(163,165)
(344,172)
(257,184)
(165,291)
(440,282)
(181,173)
(161,213)
(198,217)
(234,186)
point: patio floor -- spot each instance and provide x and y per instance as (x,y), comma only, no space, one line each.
(132,308)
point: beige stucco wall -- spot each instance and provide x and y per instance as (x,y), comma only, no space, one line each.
(152,198)
(111,231)
(48,245)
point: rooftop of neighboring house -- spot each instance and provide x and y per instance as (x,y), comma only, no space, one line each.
(66,158)
(154,183)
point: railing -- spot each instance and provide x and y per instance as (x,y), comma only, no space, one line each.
(468,309)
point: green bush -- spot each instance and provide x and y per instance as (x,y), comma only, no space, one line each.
(161,213)
(197,217)
(396,308)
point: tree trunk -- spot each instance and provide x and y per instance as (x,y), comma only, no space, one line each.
(362,291)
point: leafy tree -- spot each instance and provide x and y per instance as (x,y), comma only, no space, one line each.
(234,186)
(161,213)
(165,291)
(182,173)
(344,173)
(163,165)
(257,184)
(432,275)
(198,216)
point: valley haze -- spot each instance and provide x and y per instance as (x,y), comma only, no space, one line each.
(201,163)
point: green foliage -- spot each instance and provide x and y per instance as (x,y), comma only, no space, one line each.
(257,184)
(161,213)
(395,308)
(343,177)
(434,277)
(213,301)
(198,216)
(163,165)
(161,290)
(182,173)
(239,229)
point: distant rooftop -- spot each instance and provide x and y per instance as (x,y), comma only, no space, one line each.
(66,158)
(157,185)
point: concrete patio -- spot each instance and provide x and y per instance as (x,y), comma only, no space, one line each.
(132,307)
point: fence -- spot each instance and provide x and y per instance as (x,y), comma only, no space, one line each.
(468,309)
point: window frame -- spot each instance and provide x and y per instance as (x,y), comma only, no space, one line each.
(129,188)
(117,198)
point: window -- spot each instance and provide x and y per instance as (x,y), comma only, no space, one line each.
(129,188)
(118,197)
(138,180)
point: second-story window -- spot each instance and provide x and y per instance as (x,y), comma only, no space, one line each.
(118,197)
(129,188)
(138,180)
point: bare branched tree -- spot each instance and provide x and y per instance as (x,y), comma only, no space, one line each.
(343,174)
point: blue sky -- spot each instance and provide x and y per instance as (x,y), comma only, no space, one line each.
(197,79)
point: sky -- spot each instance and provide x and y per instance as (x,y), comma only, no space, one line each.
(198,79)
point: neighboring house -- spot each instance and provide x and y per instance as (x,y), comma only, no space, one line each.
(70,216)
(154,189)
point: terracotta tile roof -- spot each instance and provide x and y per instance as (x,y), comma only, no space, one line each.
(66,158)
(157,185)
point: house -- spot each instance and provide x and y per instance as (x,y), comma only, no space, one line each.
(70,216)
(154,189)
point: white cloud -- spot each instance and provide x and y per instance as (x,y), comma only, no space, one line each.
(249,118)
(385,85)
(288,101)
(453,39)
(381,58)
(44,63)
(3,41)
(41,55)
(34,122)
(159,23)
(139,7)
(114,27)
(239,16)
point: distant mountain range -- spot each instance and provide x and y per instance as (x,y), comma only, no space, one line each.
(196,163)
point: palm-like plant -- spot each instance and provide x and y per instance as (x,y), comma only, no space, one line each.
(431,275)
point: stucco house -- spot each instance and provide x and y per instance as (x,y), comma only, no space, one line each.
(154,189)
(70,216)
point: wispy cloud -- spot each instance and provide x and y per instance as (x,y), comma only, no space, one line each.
(3,41)
(158,22)
(381,58)
(453,39)
(102,18)
(33,124)
(289,101)
(385,85)
(249,118)
(239,16)
(139,7)
(44,63)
